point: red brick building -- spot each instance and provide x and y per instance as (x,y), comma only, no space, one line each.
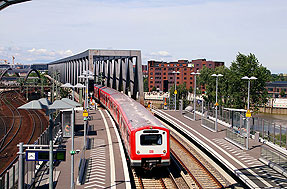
(160,73)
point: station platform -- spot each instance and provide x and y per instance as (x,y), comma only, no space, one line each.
(106,164)
(245,164)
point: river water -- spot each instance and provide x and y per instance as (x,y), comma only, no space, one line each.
(275,118)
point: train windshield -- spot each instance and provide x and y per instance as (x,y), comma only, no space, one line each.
(151,139)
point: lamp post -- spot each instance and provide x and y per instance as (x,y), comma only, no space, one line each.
(72,152)
(248,111)
(175,92)
(216,103)
(86,75)
(194,92)
(45,104)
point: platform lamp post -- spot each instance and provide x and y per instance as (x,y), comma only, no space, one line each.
(175,91)
(194,92)
(216,103)
(45,104)
(248,115)
(86,75)
(72,152)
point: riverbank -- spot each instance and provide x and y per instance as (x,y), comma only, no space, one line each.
(275,118)
(269,110)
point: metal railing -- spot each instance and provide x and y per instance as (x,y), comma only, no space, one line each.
(274,157)
(236,137)
(208,123)
(269,131)
(9,177)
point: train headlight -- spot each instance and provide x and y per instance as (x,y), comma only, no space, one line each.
(164,151)
(138,152)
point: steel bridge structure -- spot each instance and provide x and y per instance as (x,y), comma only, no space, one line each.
(118,69)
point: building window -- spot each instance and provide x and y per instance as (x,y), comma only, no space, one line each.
(210,65)
(184,69)
(164,78)
(170,78)
(184,78)
(270,89)
(151,77)
(151,73)
(150,81)
(197,64)
(164,73)
(164,68)
(190,77)
(177,82)
(191,83)
(184,73)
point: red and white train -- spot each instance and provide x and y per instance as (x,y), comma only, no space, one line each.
(146,140)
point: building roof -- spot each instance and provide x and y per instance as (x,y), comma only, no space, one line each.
(6,3)
(277,84)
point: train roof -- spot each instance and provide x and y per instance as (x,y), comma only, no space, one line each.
(136,113)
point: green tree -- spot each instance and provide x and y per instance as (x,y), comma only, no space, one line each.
(282,93)
(182,93)
(248,66)
(145,84)
(232,90)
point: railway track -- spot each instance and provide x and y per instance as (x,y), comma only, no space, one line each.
(16,122)
(19,128)
(199,175)
(159,178)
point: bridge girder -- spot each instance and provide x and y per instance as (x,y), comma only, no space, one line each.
(118,69)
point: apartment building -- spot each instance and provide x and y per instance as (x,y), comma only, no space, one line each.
(275,88)
(161,77)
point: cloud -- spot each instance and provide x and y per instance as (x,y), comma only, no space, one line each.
(161,54)
(45,52)
(211,29)
(32,55)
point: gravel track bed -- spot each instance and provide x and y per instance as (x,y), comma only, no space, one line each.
(203,179)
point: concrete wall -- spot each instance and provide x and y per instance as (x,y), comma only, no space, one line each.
(282,111)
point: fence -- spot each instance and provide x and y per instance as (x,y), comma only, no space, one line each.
(270,131)
(274,157)
(9,177)
(236,137)
(205,122)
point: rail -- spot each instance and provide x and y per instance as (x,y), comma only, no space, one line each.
(199,173)
(17,131)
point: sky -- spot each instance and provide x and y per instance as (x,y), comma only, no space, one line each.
(41,31)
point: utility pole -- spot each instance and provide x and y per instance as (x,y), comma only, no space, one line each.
(42,88)
(53,88)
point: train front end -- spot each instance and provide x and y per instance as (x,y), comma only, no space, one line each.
(151,147)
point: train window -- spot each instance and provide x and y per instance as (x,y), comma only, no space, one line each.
(151,139)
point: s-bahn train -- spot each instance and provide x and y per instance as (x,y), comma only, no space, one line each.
(146,140)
